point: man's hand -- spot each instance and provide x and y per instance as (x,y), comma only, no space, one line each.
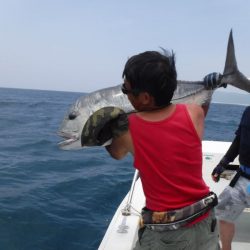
(219,169)
(119,125)
(212,80)
(217,172)
(104,124)
(117,129)
(114,128)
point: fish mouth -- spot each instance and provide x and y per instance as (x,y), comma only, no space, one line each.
(68,139)
(65,143)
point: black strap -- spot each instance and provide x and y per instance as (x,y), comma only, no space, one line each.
(237,176)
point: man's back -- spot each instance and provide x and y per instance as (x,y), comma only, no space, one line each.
(168,155)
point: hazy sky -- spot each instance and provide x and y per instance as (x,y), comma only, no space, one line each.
(80,45)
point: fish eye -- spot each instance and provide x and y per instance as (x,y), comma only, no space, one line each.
(72,115)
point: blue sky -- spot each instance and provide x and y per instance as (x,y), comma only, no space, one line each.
(80,45)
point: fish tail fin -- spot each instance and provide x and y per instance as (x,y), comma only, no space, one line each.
(231,63)
(231,74)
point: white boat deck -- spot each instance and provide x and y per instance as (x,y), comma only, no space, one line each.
(122,231)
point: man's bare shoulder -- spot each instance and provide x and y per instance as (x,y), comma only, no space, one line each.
(197,116)
(194,108)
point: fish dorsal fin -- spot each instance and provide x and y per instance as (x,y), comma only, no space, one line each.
(231,63)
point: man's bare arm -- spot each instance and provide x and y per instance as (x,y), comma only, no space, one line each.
(120,146)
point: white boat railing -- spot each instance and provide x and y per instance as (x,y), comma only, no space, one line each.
(127,209)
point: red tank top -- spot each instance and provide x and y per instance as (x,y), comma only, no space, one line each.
(168,155)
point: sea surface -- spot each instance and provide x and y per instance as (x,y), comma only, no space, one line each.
(64,200)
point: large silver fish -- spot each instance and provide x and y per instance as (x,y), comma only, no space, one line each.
(75,120)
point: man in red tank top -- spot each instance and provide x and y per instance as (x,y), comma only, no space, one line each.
(165,141)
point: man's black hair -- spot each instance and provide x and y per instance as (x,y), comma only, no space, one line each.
(154,73)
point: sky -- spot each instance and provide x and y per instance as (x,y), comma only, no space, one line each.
(82,46)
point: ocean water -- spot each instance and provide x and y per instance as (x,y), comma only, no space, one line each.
(64,200)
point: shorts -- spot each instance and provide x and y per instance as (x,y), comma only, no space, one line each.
(196,237)
(233,200)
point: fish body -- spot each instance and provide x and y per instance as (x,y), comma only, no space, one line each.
(75,122)
(79,113)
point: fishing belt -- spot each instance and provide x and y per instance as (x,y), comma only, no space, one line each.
(174,219)
(239,173)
